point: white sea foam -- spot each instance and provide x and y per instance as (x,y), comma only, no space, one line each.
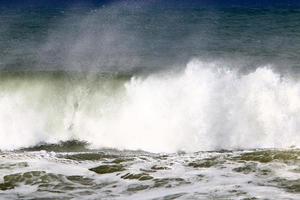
(204,107)
(228,178)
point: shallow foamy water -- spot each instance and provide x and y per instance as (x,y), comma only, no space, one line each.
(110,174)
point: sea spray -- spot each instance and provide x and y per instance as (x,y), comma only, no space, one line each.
(206,106)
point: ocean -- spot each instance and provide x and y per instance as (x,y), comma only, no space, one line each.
(131,100)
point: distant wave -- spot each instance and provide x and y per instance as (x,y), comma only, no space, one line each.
(204,107)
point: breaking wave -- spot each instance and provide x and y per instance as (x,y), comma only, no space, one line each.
(203,107)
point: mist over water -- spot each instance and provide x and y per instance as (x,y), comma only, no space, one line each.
(143,38)
(140,77)
(149,100)
(204,107)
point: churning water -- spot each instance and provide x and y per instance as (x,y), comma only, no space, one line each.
(140,102)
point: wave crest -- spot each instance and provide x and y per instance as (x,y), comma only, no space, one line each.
(205,107)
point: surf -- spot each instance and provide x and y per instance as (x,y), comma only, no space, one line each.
(206,106)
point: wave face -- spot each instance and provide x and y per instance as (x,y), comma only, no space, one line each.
(117,76)
(204,107)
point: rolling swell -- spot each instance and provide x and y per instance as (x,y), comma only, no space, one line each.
(203,107)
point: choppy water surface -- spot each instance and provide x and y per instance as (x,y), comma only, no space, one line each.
(141,100)
(112,174)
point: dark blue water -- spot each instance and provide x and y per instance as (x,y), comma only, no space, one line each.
(118,38)
(158,79)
